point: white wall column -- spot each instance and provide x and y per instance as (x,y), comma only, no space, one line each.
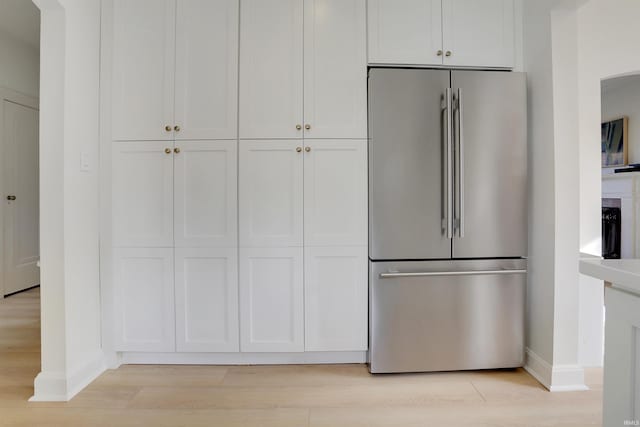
(70,287)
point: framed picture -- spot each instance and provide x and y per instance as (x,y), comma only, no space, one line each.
(615,134)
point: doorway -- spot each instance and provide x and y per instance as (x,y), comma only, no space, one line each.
(19,132)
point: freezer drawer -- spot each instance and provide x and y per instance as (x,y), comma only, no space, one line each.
(446,315)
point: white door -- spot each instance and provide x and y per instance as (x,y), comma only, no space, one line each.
(207,300)
(335,193)
(479,33)
(405,31)
(21,197)
(206,194)
(143,281)
(270,193)
(271,300)
(335,69)
(271,69)
(143,51)
(142,194)
(336,298)
(206,69)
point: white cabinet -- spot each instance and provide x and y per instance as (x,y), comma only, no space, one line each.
(335,193)
(271,193)
(453,33)
(405,31)
(143,280)
(272,300)
(335,69)
(271,69)
(174,69)
(205,194)
(278,72)
(336,298)
(206,289)
(143,69)
(478,33)
(142,194)
(206,91)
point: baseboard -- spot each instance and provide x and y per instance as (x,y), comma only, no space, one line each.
(555,378)
(244,358)
(61,387)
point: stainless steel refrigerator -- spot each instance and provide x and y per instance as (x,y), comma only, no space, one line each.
(447,219)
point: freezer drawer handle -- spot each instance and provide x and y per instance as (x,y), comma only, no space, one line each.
(451,273)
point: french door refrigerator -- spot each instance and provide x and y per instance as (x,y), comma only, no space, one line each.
(447,219)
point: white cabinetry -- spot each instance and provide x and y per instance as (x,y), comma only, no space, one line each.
(174,69)
(272,301)
(144,290)
(206,281)
(452,33)
(291,90)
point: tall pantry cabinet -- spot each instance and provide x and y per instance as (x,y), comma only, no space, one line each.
(174,68)
(238,174)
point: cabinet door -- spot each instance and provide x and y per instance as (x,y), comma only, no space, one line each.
(405,31)
(206,194)
(271,300)
(271,68)
(143,281)
(335,69)
(207,300)
(479,33)
(335,193)
(270,193)
(336,298)
(143,69)
(142,194)
(207,69)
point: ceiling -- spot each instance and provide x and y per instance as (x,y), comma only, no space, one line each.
(617,83)
(21,20)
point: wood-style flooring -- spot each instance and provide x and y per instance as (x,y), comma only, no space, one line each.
(277,396)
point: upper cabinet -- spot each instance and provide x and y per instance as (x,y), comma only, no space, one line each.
(303,69)
(451,33)
(174,69)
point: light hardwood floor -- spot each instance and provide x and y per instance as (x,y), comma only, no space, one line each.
(278,396)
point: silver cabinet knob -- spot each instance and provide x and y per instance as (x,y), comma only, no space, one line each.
(298,149)
(307,127)
(11,198)
(176,128)
(167,150)
(167,128)
(176,150)
(439,53)
(298,127)
(448,53)
(307,149)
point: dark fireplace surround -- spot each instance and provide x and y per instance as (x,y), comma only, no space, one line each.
(611,228)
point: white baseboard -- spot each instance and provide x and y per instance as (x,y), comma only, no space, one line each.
(62,386)
(244,358)
(555,378)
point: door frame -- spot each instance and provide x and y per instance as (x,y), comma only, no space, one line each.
(29,102)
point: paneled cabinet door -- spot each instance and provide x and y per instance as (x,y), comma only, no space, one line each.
(335,69)
(143,281)
(336,298)
(207,300)
(271,193)
(142,194)
(206,195)
(479,33)
(143,52)
(271,69)
(405,31)
(206,69)
(271,300)
(335,193)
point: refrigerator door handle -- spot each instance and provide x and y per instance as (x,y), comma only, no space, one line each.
(393,275)
(449,163)
(459,164)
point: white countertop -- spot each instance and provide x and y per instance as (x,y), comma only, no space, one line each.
(622,273)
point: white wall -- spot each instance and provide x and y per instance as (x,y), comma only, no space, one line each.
(19,66)
(623,99)
(71,344)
